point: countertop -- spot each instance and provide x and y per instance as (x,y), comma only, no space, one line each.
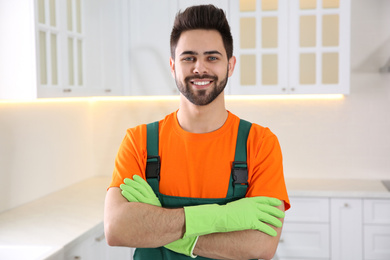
(337,188)
(45,227)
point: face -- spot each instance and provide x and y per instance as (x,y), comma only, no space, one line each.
(201,67)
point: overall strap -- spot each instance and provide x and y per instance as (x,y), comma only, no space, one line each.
(152,170)
(239,172)
(240,167)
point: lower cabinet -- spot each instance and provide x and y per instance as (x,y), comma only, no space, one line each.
(376,242)
(306,230)
(308,241)
(376,229)
(92,245)
(336,229)
(315,229)
(346,216)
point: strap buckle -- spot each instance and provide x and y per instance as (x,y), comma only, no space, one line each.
(153,167)
(240,173)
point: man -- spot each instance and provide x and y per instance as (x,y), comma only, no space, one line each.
(200,209)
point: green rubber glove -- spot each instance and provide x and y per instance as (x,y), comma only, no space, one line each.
(138,190)
(243,214)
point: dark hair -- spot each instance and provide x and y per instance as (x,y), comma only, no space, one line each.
(206,17)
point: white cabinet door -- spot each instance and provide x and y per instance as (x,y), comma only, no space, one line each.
(377,242)
(377,229)
(79,251)
(377,211)
(119,253)
(305,233)
(147,57)
(79,47)
(291,47)
(304,241)
(260,46)
(319,47)
(346,229)
(308,210)
(93,245)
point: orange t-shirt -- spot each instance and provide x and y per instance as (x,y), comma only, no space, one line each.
(199,165)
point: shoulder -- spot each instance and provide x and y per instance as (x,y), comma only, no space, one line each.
(261,132)
(261,138)
(136,133)
(257,131)
(139,132)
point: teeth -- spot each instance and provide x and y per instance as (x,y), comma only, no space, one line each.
(202,83)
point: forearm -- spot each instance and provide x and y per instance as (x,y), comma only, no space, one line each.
(138,224)
(246,244)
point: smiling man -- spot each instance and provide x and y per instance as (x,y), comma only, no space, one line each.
(201,182)
(200,87)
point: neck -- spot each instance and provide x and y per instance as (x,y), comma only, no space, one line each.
(202,119)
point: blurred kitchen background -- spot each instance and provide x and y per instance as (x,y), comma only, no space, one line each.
(74,75)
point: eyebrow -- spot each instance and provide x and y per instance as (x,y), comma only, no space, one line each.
(204,53)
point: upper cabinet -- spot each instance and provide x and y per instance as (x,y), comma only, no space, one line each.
(291,47)
(79,47)
(146,59)
(67,48)
(60,46)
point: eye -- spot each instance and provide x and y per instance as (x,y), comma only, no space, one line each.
(212,58)
(188,59)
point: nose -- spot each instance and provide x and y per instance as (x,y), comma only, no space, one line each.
(200,67)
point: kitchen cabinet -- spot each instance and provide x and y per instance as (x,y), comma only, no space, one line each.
(147,58)
(376,229)
(78,46)
(291,47)
(53,48)
(346,228)
(336,228)
(92,245)
(102,47)
(305,232)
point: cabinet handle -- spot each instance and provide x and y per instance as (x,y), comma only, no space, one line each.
(100,238)
(67,90)
(77,257)
(107,90)
(346,205)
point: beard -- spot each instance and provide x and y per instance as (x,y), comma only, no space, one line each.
(201,97)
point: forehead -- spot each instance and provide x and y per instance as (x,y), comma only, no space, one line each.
(200,41)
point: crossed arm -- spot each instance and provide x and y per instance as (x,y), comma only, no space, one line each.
(140,225)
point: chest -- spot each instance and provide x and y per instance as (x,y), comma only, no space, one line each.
(196,167)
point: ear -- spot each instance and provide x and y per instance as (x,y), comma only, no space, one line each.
(231,65)
(172,65)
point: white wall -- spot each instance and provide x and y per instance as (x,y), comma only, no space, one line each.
(47,146)
(44,147)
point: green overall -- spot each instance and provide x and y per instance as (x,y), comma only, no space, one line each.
(237,187)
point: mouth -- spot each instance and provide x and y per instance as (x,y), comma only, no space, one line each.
(201,83)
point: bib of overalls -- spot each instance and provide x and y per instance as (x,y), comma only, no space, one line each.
(236,189)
